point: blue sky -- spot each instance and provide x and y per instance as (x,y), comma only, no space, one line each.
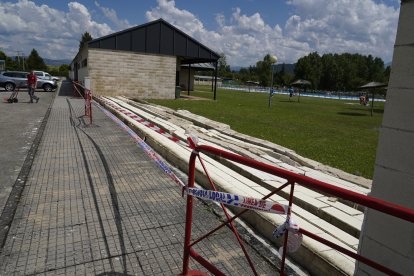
(245,30)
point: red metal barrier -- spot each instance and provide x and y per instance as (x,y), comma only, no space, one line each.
(292,178)
(86,95)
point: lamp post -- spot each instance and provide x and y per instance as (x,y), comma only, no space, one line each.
(273,60)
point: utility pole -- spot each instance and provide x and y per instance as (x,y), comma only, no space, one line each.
(273,60)
(18,58)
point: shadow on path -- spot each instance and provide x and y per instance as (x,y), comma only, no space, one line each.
(112,190)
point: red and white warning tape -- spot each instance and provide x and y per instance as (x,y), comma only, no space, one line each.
(239,201)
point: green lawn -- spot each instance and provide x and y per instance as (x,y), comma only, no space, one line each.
(338,133)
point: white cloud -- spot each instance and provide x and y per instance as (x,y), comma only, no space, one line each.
(187,21)
(362,26)
(113,17)
(244,40)
(54,34)
(356,26)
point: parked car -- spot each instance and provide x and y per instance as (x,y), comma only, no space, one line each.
(45,75)
(9,80)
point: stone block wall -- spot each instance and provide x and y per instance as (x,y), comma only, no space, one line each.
(184,79)
(388,240)
(115,73)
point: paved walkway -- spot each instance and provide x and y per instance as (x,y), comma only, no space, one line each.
(95,203)
(19,123)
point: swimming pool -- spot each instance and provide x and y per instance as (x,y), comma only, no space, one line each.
(349,96)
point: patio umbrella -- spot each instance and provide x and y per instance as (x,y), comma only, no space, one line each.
(302,83)
(372,86)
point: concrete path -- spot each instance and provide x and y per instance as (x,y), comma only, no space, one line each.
(19,124)
(94,203)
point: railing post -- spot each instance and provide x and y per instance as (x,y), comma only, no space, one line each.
(88,104)
(87,96)
(189,214)
(282,265)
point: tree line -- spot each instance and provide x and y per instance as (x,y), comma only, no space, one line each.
(35,62)
(32,62)
(333,72)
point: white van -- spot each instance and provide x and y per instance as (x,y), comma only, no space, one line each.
(45,76)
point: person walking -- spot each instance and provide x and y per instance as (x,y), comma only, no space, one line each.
(31,84)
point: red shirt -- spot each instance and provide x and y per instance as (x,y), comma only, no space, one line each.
(31,79)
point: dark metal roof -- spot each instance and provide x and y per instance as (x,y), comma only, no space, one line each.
(157,37)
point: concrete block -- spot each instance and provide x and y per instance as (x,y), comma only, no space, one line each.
(263,176)
(305,169)
(311,217)
(290,168)
(276,198)
(393,233)
(347,223)
(340,206)
(344,262)
(271,159)
(393,186)
(323,248)
(396,150)
(310,201)
(327,227)
(405,33)
(328,179)
(402,69)
(305,224)
(360,189)
(385,256)
(400,117)
(307,191)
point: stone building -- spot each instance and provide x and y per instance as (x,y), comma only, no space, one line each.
(142,62)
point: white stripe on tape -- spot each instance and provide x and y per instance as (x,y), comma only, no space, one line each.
(239,201)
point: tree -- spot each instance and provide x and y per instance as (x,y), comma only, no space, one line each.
(64,70)
(2,55)
(247,74)
(264,70)
(223,68)
(337,72)
(86,37)
(10,64)
(332,74)
(387,73)
(376,70)
(309,68)
(35,62)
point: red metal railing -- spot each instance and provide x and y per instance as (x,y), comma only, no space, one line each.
(292,178)
(86,94)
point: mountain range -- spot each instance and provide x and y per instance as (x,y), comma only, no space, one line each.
(56,62)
